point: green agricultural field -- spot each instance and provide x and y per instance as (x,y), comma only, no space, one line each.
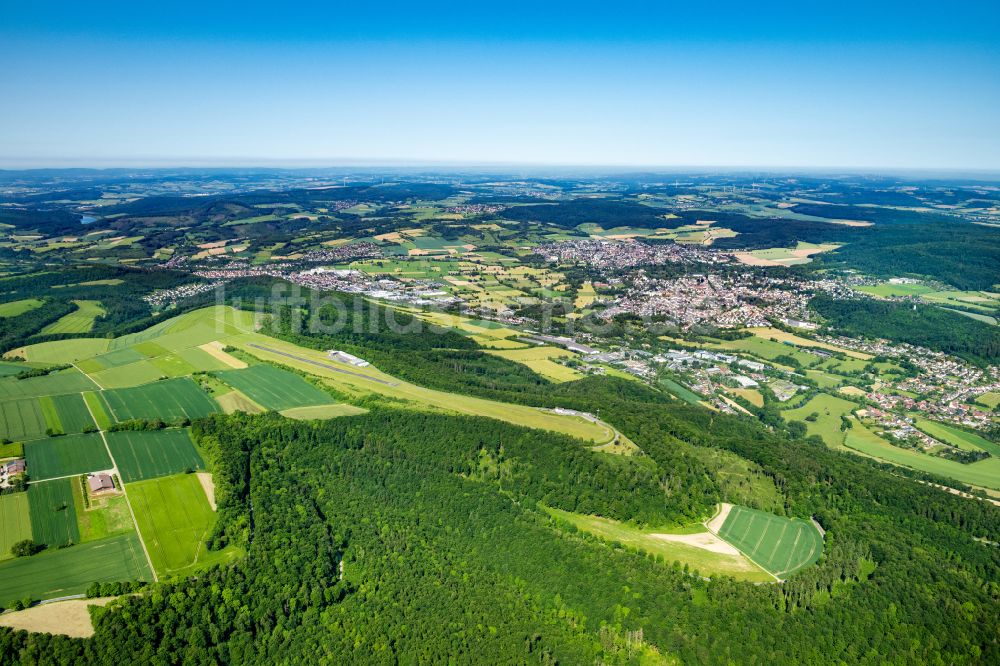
(169,400)
(22,419)
(111,359)
(991,400)
(539,360)
(53,515)
(962,439)
(985,473)
(15,308)
(63,351)
(887,290)
(827,425)
(705,562)
(273,388)
(63,572)
(61,456)
(8,369)
(780,545)
(57,383)
(174,519)
(95,405)
(127,376)
(680,391)
(144,455)
(80,320)
(15,521)
(66,413)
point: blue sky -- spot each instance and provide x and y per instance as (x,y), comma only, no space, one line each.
(847,84)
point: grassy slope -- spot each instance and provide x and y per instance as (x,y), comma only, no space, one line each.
(706,562)
(985,473)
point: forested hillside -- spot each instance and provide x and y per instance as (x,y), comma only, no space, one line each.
(446,555)
(923,325)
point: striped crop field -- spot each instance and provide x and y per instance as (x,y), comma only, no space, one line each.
(780,545)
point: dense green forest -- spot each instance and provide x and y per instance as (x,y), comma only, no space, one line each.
(923,325)
(446,556)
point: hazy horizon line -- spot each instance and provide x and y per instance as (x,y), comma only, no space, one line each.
(102,164)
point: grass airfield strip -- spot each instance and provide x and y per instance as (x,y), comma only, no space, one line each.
(370,380)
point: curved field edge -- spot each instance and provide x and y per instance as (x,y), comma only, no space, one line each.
(699,560)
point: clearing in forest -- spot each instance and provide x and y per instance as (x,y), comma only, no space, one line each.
(780,545)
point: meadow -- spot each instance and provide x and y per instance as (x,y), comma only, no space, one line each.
(15,521)
(169,399)
(273,388)
(174,519)
(828,410)
(53,516)
(985,473)
(63,572)
(782,546)
(144,455)
(680,391)
(63,456)
(705,562)
(322,411)
(539,359)
(80,320)
(15,308)
(958,437)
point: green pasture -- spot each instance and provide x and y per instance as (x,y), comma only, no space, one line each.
(64,351)
(985,473)
(61,456)
(15,521)
(174,518)
(67,571)
(827,425)
(780,545)
(15,308)
(101,517)
(80,320)
(962,439)
(125,376)
(273,388)
(170,399)
(887,290)
(680,391)
(96,407)
(53,515)
(990,400)
(142,455)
